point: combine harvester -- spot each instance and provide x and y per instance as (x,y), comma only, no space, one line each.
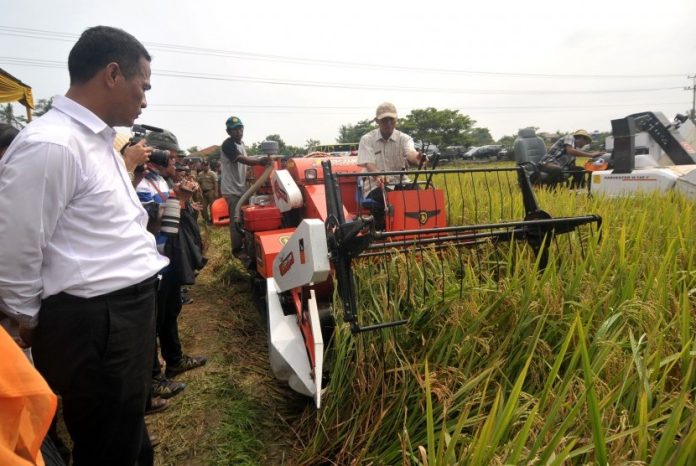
(307,227)
(649,154)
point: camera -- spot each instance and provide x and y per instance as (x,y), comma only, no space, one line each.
(158,156)
(172,213)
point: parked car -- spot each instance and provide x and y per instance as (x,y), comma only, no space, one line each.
(430,150)
(455,152)
(484,152)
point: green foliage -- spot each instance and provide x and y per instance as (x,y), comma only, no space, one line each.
(7,115)
(192,149)
(481,136)
(42,106)
(439,127)
(309,143)
(283,148)
(353,133)
(506,141)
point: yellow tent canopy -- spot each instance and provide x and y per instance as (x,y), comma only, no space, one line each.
(14,90)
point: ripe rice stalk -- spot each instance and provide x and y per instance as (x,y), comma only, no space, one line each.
(485,319)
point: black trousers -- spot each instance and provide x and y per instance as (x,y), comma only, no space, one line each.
(169,304)
(97,354)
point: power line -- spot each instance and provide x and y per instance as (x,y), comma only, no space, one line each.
(354,86)
(68,37)
(405,107)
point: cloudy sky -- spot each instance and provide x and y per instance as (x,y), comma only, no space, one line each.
(302,68)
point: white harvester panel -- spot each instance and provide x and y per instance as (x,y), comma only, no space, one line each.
(687,184)
(286,347)
(305,257)
(612,184)
(285,191)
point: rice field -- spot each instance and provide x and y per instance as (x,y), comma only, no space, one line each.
(588,361)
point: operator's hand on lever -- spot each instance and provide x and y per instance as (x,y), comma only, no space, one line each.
(266,161)
(379,180)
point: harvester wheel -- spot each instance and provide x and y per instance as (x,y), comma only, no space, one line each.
(327,323)
(258,293)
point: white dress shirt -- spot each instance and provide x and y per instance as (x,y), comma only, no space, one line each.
(388,154)
(70,220)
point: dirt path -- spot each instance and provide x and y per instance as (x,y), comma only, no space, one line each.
(232,410)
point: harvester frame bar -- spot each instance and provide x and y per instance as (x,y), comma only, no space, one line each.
(349,240)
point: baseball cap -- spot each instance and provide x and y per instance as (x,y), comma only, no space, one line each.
(384,110)
(233,122)
(164,140)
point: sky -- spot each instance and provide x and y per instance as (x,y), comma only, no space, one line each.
(301,68)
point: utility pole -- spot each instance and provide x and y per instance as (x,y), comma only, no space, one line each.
(692,88)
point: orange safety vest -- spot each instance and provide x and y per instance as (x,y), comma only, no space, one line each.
(27,406)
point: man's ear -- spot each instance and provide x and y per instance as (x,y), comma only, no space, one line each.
(112,74)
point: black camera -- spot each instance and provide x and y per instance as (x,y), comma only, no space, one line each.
(158,156)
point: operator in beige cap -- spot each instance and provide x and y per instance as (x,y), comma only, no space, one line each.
(385,149)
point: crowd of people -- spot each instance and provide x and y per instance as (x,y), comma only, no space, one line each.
(100,239)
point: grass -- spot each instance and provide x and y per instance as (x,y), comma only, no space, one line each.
(232,412)
(589,361)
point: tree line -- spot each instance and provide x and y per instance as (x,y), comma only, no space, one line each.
(428,126)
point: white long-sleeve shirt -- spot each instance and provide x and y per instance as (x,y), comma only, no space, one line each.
(70,220)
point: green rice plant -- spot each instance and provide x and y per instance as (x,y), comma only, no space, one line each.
(589,361)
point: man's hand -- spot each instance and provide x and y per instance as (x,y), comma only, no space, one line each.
(380,180)
(27,336)
(197,206)
(135,155)
(266,161)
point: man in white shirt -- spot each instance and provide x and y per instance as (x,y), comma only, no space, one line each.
(77,265)
(385,149)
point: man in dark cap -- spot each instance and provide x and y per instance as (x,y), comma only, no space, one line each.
(234,173)
(169,298)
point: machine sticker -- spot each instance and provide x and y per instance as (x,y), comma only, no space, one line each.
(423,215)
(687,147)
(632,178)
(284,239)
(596,179)
(286,264)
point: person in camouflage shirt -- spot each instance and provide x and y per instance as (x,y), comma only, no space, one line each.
(207,179)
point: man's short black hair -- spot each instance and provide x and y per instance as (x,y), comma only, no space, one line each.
(101,45)
(7,135)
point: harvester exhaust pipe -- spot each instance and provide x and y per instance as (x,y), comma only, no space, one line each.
(270,149)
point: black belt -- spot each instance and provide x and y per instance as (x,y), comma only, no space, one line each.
(145,286)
